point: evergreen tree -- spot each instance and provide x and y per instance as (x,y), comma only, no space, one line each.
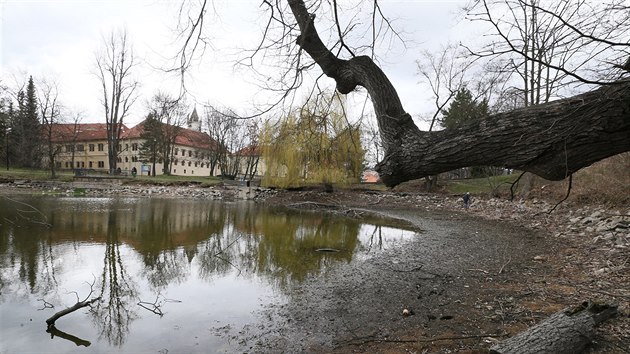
(26,128)
(6,110)
(463,109)
(150,150)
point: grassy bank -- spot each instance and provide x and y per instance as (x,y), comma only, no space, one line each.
(67,176)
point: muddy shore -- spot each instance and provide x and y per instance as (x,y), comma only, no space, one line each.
(469,279)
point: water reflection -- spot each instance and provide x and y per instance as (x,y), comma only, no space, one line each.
(222,257)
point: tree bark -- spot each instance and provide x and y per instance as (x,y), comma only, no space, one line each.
(551,140)
(565,332)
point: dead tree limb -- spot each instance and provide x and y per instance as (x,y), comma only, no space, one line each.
(565,197)
(566,332)
(81,304)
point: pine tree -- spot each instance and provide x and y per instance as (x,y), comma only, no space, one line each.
(463,109)
(150,150)
(26,128)
(5,119)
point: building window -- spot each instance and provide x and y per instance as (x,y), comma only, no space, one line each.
(91,147)
(134,147)
(101,164)
(90,164)
(184,171)
(176,151)
(126,147)
(126,159)
(196,154)
(174,170)
(100,147)
(119,159)
(67,164)
(188,163)
(183,163)
(69,148)
(82,164)
(196,164)
(183,152)
(189,153)
(119,147)
(79,147)
(134,158)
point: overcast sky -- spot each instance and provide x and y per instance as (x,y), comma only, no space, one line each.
(58,40)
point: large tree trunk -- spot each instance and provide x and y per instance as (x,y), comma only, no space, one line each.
(552,140)
(565,332)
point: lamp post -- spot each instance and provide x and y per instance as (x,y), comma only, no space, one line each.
(7,150)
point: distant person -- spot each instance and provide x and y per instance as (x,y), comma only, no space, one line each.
(466,199)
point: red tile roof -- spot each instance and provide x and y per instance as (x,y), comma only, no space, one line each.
(250,150)
(98,131)
(79,132)
(185,137)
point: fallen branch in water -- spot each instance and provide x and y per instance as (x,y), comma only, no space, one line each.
(46,305)
(79,305)
(156,306)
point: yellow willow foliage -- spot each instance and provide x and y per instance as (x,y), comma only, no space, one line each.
(318,147)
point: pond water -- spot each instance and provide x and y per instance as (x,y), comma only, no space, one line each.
(173,275)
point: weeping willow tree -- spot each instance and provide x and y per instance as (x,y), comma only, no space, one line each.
(314,144)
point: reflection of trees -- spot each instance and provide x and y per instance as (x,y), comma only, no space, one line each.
(165,228)
(117,290)
(164,264)
(168,235)
(376,239)
(279,245)
(25,245)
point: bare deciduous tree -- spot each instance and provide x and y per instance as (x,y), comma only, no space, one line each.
(114,65)
(228,136)
(170,113)
(50,112)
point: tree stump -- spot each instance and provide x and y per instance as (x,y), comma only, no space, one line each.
(566,332)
